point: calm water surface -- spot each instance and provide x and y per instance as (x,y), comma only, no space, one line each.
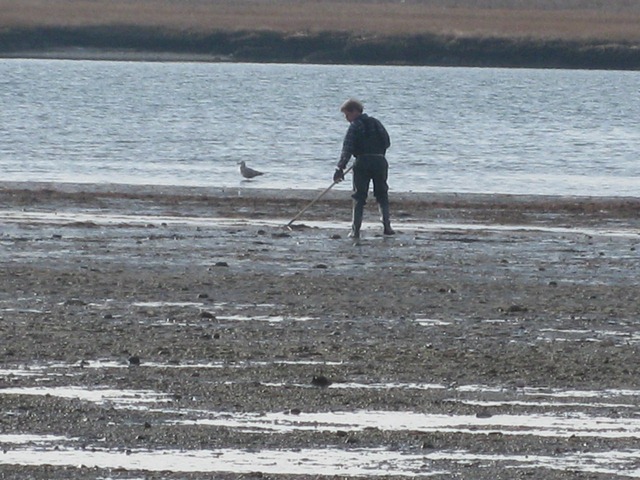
(562,132)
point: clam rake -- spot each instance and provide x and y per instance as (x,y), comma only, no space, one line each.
(322,194)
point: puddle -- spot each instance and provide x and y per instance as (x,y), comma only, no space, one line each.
(607,393)
(334,462)
(52,369)
(26,449)
(168,304)
(265,318)
(122,398)
(429,322)
(540,425)
(543,397)
(97,364)
(99,218)
(364,386)
(538,404)
(575,415)
(572,335)
(161,304)
(357,462)
(548,335)
(552,392)
(23,310)
(22,438)
(271,318)
(21,372)
(607,232)
(96,218)
(509,395)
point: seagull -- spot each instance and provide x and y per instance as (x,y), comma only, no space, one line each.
(248,172)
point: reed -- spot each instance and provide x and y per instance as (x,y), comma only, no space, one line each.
(618,20)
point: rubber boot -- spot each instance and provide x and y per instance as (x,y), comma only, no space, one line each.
(383,206)
(358,212)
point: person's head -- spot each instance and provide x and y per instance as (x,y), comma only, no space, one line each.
(352,109)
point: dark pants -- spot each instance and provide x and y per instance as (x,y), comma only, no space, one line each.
(365,170)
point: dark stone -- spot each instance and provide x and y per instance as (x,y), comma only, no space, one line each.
(320,381)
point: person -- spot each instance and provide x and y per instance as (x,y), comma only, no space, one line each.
(367,140)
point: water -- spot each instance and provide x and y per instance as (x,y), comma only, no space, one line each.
(542,413)
(557,132)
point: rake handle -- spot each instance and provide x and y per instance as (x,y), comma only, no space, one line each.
(322,194)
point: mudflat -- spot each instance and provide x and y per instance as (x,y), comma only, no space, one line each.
(491,337)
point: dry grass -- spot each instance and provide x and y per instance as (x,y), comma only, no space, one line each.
(543,19)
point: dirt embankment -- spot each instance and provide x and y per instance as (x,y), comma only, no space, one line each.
(561,34)
(323,48)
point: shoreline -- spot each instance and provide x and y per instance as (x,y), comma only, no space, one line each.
(140,44)
(261,203)
(129,188)
(290,193)
(488,33)
(114,55)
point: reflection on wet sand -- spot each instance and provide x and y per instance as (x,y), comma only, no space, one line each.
(575,418)
(353,462)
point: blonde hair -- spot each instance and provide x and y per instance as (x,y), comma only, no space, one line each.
(352,105)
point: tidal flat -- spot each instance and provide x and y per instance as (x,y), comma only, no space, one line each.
(168,332)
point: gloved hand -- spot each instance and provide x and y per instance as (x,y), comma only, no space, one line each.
(338,175)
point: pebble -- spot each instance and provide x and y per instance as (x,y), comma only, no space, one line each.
(320,381)
(516,309)
(484,414)
(75,302)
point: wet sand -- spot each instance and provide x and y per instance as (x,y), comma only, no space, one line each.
(484,316)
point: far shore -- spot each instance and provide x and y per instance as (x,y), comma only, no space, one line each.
(585,34)
(325,48)
(144,44)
